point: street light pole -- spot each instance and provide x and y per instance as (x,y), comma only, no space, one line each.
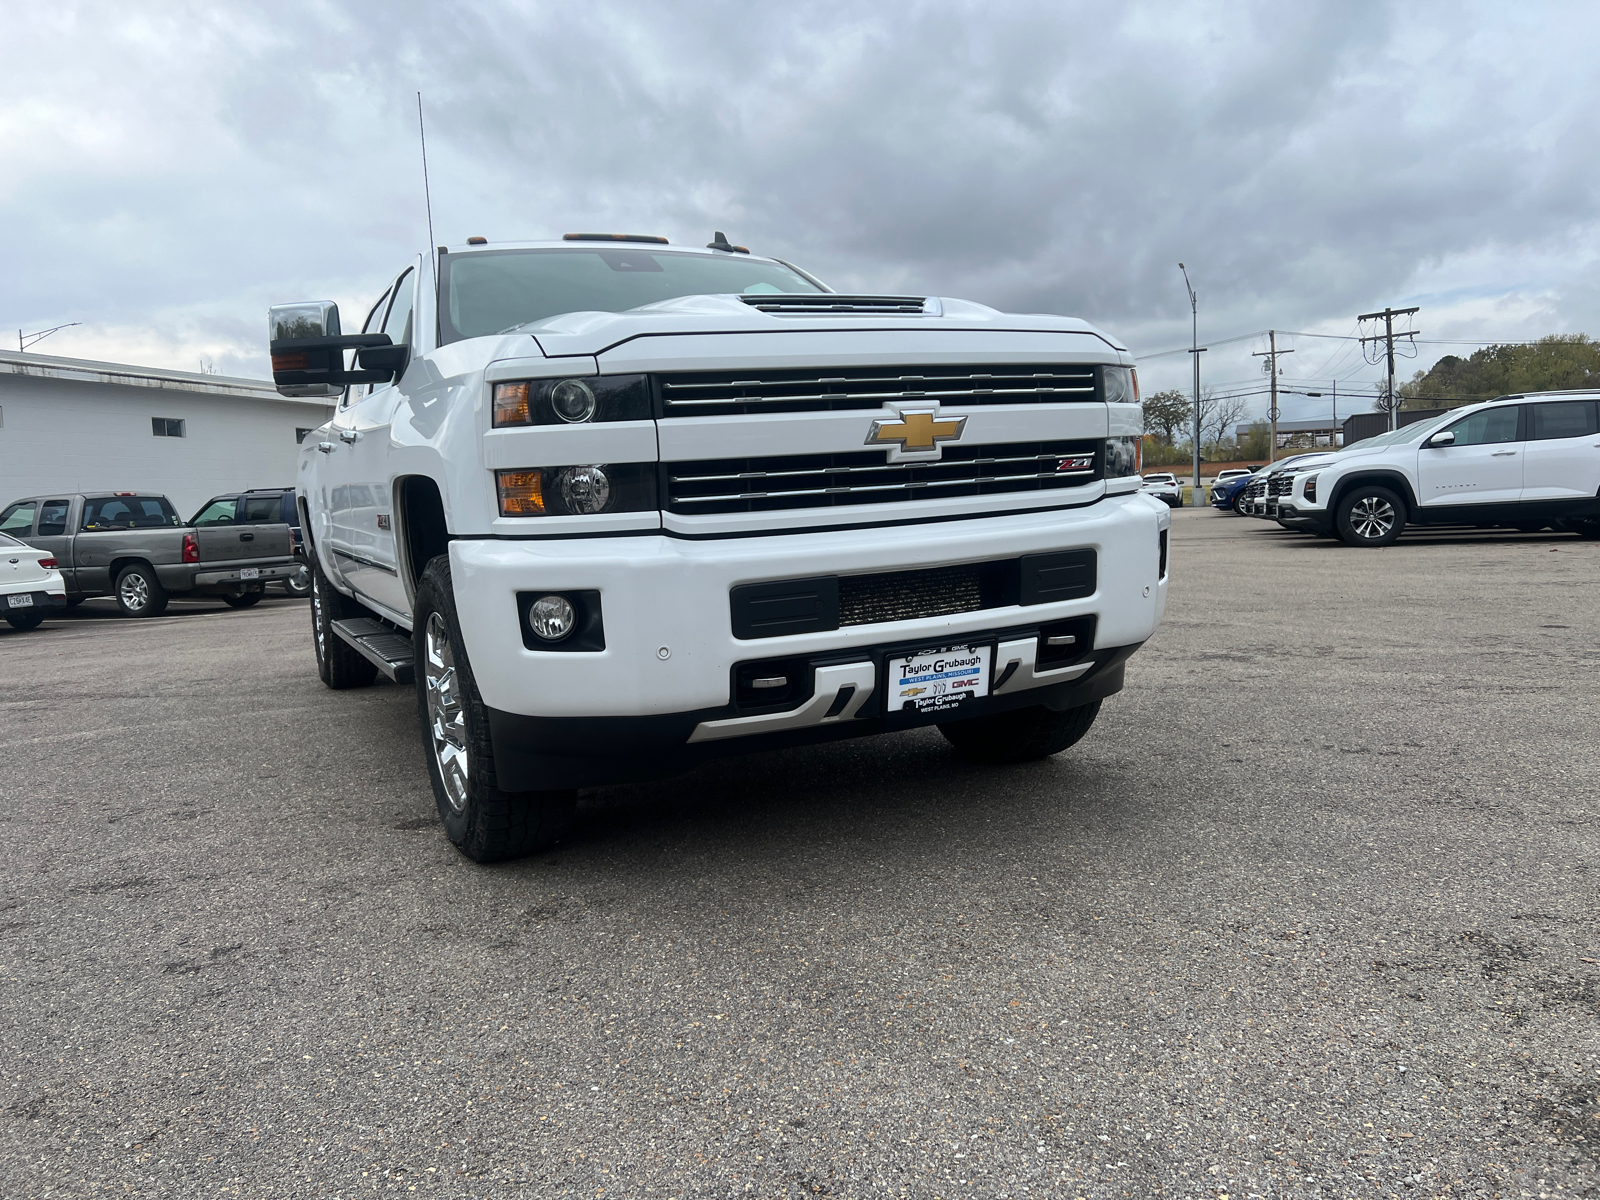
(1195,352)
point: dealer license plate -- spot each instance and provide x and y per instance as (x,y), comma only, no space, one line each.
(250,573)
(940,679)
(23,601)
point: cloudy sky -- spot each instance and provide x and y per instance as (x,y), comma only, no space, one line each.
(168,170)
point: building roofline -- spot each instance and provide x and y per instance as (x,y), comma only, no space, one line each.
(84,370)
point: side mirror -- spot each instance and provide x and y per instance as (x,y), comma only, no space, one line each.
(308,348)
(1447,438)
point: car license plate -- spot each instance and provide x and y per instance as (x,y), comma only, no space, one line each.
(940,679)
(23,601)
(250,573)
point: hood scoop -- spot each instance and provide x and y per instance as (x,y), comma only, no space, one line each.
(828,304)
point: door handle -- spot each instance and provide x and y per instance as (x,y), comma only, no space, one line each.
(325,447)
(348,435)
(247,537)
(1502,454)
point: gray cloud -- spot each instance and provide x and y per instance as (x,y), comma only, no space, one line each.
(171,171)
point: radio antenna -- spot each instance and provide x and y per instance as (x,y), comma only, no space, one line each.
(427,199)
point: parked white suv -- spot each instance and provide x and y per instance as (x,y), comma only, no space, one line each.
(618,506)
(1164,486)
(1526,461)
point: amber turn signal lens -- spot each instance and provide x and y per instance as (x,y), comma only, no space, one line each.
(510,404)
(521,493)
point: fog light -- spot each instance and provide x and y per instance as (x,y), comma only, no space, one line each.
(573,400)
(585,490)
(552,617)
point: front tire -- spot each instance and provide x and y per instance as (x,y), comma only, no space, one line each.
(1370,516)
(338,664)
(139,593)
(486,823)
(22,622)
(242,600)
(1023,735)
(298,585)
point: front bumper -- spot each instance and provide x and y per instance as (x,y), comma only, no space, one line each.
(548,753)
(670,650)
(1313,520)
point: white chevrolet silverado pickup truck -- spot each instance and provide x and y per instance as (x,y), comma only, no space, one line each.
(617,506)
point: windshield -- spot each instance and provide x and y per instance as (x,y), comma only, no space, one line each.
(1406,433)
(127,512)
(494,291)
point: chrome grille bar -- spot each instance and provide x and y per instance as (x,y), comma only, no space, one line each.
(718,394)
(868,477)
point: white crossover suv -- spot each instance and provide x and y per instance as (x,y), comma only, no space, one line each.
(1529,462)
(617,506)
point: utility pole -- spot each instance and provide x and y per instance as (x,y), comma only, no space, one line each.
(1271,355)
(1195,352)
(1387,338)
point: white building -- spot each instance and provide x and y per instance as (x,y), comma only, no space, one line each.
(71,425)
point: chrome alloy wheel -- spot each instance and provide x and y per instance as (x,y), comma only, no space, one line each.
(1371,517)
(447,722)
(134,591)
(316,618)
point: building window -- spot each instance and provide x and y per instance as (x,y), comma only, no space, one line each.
(166,426)
(300,435)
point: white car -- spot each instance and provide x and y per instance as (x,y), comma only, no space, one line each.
(1529,461)
(1165,488)
(618,506)
(30,583)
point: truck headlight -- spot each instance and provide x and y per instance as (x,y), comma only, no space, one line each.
(571,401)
(577,491)
(1122,457)
(585,490)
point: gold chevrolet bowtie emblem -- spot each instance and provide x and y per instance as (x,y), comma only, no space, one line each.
(914,431)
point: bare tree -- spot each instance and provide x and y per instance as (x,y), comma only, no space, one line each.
(1218,416)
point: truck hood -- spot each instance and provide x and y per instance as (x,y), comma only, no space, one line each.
(593,333)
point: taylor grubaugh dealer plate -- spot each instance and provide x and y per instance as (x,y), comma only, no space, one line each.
(939,680)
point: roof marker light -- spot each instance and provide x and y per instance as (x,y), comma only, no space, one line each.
(614,237)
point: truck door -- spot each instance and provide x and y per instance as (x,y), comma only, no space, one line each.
(1563,452)
(262,530)
(1483,466)
(363,530)
(53,535)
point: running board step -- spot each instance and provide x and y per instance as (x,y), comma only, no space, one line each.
(382,645)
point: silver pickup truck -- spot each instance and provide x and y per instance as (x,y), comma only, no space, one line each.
(134,547)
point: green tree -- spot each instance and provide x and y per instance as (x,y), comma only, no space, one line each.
(1562,360)
(1166,413)
(1256,442)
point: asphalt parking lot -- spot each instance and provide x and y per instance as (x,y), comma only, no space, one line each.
(1311,912)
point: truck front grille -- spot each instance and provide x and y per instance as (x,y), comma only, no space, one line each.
(909,595)
(735,485)
(724,393)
